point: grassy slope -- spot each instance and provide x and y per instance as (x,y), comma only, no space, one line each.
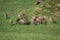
(27,32)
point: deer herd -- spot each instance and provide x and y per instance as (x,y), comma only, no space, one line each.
(35,19)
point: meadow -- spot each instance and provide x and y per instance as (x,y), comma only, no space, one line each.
(29,32)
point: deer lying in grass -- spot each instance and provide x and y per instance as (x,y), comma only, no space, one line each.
(21,15)
(25,21)
(52,20)
(6,16)
(41,20)
(33,19)
(11,22)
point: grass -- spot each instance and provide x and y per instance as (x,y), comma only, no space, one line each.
(26,36)
(28,32)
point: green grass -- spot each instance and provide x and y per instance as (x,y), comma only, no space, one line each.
(28,32)
(26,36)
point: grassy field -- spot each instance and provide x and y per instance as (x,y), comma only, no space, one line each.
(28,32)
